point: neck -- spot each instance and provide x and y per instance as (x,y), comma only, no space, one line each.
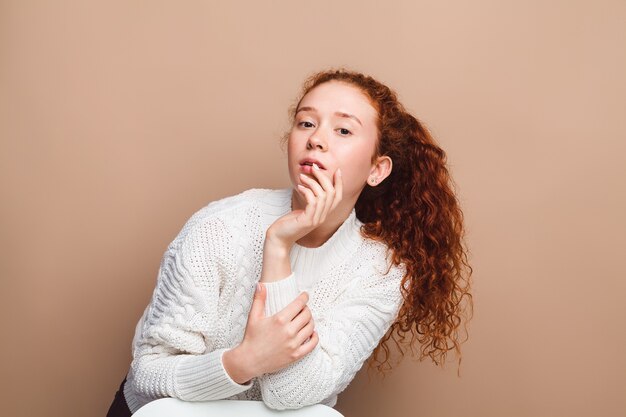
(334,219)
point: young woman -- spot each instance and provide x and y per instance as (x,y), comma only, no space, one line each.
(281,295)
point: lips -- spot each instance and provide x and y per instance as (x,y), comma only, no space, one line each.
(310,162)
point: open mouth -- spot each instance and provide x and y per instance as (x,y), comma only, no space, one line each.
(310,164)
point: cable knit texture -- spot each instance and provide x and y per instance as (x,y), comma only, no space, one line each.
(204,291)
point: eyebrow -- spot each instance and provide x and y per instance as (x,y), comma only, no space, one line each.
(338,113)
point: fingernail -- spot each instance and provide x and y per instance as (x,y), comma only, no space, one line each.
(339,172)
(315,166)
(258,287)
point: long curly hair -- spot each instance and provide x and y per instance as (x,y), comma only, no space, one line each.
(415,212)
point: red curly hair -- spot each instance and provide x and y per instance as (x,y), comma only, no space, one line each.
(415,212)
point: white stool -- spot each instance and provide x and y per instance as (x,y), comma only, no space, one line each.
(173,407)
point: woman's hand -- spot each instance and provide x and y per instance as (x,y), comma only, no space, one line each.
(322,196)
(271,343)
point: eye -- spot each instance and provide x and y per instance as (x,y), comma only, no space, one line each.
(344,131)
(308,124)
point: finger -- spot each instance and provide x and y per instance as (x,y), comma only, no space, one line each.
(309,210)
(308,345)
(315,186)
(328,186)
(301,320)
(338,178)
(293,308)
(305,333)
(323,180)
(299,188)
(320,195)
(258,302)
(312,207)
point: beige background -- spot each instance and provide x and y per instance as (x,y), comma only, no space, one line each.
(119,119)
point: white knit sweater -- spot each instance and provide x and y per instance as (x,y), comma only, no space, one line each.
(204,291)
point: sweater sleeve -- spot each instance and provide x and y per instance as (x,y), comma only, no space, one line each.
(348,334)
(280,293)
(170,355)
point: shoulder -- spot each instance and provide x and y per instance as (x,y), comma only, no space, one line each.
(252,197)
(230,204)
(228,212)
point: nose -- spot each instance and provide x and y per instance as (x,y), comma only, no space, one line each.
(315,141)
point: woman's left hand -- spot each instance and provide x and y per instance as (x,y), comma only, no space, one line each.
(322,196)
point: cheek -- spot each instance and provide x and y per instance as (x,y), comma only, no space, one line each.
(357,161)
(292,153)
(291,144)
(355,172)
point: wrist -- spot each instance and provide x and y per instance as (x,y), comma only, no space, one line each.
(275,248)
(236,363)
(276,262)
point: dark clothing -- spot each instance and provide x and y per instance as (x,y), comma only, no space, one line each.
(119,408)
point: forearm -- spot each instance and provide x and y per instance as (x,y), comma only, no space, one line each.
(348,333)
(188,377)
(239,362)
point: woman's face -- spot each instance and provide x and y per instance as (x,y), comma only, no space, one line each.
(335,124)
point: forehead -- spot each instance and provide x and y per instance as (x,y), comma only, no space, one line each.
(335,96)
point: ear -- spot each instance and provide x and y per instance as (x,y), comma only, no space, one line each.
(380,170)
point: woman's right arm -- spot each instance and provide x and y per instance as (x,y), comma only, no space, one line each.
(273,341)
(170,356)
